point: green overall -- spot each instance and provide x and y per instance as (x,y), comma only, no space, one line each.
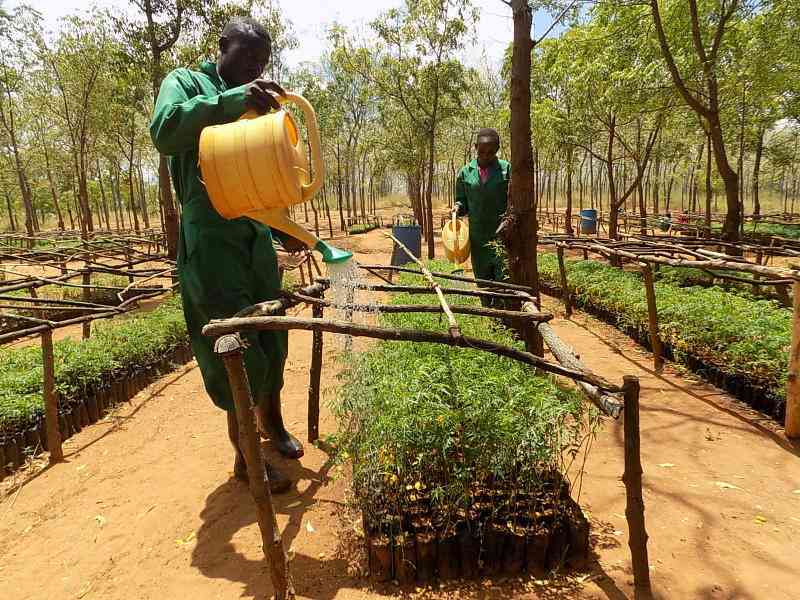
(485,204)
(223,265)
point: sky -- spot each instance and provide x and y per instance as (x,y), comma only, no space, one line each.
(311,19)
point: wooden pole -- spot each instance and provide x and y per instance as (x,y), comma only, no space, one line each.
(417,289)
(314,383)
(500,285)
(87,297)
(652,315)
(756,290)
(231,349)
(452,325)
(565,294)
(50,400)
(634,508)
(225,326)
(792,422)
(479,311)
(567,357)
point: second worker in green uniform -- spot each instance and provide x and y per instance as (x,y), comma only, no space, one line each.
(482,195)
(224,265)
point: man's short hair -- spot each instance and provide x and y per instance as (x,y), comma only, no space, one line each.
(487,135)
(247,25)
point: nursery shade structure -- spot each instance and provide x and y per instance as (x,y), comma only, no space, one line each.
(608,397)
(648,253)
(52,281)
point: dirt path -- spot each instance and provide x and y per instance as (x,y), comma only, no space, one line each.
(145,507)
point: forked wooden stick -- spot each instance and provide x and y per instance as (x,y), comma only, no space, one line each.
(452,325)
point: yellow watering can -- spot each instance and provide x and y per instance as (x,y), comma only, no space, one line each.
(455,238)
(257,167)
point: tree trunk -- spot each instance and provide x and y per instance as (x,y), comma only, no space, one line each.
(52,185)
(521,247)
(12,222)
(757,171)
(103,196)
(521,224)
(339,197)
(568,211)
(709,189)
(642,208)
(327,209)
(143,196)
(429,187)
(27,203)
(613,206)
(87,223)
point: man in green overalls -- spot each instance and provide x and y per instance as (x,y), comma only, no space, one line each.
(482,193)
(226,265)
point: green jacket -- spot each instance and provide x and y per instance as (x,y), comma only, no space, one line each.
(223,265)
(485,203)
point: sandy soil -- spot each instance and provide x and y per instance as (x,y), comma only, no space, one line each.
(144,506)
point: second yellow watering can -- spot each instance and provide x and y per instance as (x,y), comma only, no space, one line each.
(455,239)
(257,167)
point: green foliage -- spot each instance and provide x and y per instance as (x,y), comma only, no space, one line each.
(738,335)
(116,348)
(361,228)
(428,417)
(776,229)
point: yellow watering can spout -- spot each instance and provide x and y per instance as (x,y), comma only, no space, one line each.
(257,167)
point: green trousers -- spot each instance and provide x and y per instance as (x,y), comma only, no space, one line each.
(486,265)
(224,268)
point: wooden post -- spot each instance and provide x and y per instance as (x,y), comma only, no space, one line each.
(453,327)
(87,297)
(565,294)
(34,294)
(128,260)
(231,349)
(792,423)
(756,288)
(314,383)
(634,507)
(50,401)
(652,315)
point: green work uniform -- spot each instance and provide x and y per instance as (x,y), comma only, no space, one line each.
(223,265)
(485,204)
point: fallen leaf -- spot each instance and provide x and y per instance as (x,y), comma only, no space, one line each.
(759,520)
(187,540)
(726,486)
(796,492)
(666,465)
(80,467)
(310,527)
(100,520)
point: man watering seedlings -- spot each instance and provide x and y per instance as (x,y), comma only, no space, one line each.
(224,265)
(482,193)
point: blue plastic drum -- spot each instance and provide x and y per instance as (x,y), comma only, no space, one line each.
(410,234)
(588,220)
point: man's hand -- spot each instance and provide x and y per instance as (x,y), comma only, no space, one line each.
(291,244)
(262,95)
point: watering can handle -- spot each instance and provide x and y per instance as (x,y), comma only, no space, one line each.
(310,189)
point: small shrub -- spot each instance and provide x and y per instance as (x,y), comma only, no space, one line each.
(430,420)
